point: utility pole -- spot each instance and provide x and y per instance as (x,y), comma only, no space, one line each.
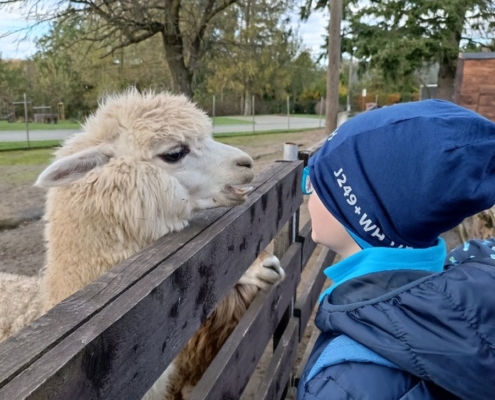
(333,71)
(27,120)
(349,87)
(25,103)
(213,111)
(288,112)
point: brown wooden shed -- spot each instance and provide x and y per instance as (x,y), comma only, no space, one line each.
(474,86)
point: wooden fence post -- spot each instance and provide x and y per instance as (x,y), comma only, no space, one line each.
(282,241)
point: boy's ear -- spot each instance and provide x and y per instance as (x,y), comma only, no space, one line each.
(71,168)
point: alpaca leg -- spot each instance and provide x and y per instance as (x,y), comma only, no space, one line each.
(163,386)
(200,351)
(264,272)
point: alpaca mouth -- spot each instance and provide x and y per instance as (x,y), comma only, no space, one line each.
(238,191)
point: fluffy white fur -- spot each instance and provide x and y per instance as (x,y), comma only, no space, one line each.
(19,302)
(141,166)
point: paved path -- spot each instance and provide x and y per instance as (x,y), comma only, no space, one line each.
(271,123)
(262,124)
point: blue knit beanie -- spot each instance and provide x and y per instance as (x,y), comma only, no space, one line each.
(402,175)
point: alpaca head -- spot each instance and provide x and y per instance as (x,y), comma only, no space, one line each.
(142,158)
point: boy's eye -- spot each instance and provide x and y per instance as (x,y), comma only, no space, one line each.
(306,186)
(309,186)
(175,155)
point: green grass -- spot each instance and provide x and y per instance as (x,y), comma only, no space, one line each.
(21,175)
(23,157)
(251,133)
(229,121)
(18,126)
(308,116)
(14,146)
(23,145)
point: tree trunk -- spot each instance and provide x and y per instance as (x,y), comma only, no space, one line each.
(446,78)
(333,71)
(247,84)
(247,103)
(448,58)
(181,73)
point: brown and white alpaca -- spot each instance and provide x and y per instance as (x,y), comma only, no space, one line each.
(141,166)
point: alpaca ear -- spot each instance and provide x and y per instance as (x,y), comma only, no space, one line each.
(71,168)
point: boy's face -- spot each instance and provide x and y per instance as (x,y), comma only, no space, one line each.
(327,230)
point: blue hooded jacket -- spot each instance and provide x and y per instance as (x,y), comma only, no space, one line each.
(433,333)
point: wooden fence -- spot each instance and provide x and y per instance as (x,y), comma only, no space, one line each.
(115,337)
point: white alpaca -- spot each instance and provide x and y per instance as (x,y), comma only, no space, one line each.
(138,170)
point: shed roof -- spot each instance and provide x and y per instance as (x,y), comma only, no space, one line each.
(477,56)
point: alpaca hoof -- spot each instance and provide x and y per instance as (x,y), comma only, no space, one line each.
(272,272)
(264,272)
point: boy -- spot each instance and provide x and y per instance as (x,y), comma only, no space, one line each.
(401,320)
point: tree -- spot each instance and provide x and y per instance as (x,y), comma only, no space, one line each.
(12,82)
(114,25)
(79,74)
(252,52)
(399,37)
(307,80)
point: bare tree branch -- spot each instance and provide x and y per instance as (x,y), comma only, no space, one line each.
(119,24)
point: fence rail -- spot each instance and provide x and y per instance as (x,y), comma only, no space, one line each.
(115,337)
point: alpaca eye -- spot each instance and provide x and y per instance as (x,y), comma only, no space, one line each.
(175,155)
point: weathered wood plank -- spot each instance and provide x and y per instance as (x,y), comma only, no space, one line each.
(475,81)
(487,113)
(287,234)
(305,155)
(120,351)
(308,245)
(308,296)
(30,343)
(474,68)
(278,373)
(488,89)
(229,373)
(307,353)
(468,101)
(458,81)
(486,100)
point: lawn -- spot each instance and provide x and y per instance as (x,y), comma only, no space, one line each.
(23,157)
(18,126)
(219,136)
(41,156)
(230,121)
(23,145)
(308,116)
(12,146)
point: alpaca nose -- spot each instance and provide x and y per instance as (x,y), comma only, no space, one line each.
(244,161)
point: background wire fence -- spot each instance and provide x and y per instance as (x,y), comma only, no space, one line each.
(22,127)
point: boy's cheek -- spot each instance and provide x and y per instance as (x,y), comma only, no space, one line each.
(314,237)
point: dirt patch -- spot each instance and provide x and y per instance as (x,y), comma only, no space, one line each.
(19,198)
(265,149)
(22,249)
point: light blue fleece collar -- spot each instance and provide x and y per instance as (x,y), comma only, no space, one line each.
(343,349)
(378,259)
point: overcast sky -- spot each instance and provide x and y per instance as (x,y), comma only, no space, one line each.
(311,33)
